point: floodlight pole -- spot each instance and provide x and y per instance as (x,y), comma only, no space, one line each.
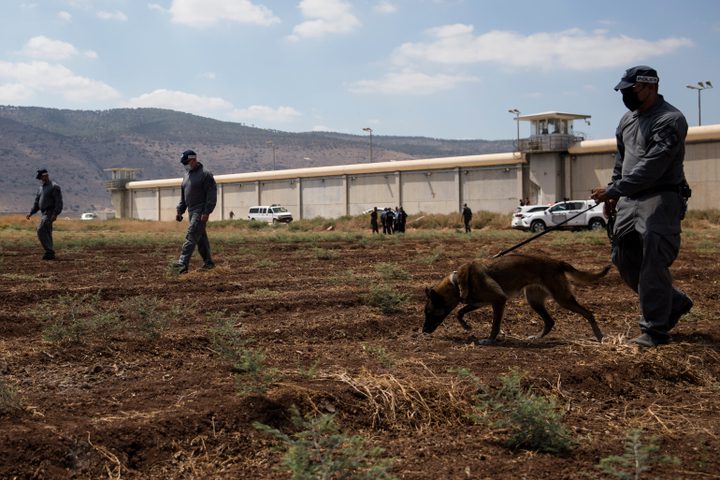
(516,112)
(700,87)
(369,130)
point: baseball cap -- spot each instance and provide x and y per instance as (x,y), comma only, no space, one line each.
(638,74)
(40,173)
(187,156)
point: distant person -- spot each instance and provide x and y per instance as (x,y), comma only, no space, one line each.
(467,217)
(232,214)
(374,220)
(389,221)
(49,202)
(402,220)
(647,195)
(383,214)
(522,202)
(527,201)
(198,195)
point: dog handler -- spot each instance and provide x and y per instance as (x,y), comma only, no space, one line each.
(648,194)
(198,195)
(49,202)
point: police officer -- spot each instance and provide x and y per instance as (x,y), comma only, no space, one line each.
(648,195)
(49,202)
(467,217)
(198,195)
(374,220)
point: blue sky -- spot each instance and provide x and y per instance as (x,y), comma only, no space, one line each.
(436,68)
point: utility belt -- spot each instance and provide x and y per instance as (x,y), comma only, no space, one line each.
(680,188)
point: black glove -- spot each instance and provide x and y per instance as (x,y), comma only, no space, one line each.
(178,217)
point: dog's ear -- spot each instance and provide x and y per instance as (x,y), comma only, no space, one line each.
(435,298)
(427,292)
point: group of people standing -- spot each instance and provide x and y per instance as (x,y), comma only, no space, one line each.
(391,220)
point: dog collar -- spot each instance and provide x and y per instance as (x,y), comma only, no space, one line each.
(453,279)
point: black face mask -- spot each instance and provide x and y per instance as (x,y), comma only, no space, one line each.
(630,99)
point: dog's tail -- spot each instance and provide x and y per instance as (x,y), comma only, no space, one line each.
(584,277)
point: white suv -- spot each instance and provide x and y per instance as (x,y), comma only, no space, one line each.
(593,218)
(524,211)
(270,213)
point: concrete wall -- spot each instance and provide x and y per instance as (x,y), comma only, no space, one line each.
(485,182)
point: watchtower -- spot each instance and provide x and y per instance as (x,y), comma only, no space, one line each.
(119,178)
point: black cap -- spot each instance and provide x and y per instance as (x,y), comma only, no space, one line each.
(40,173)
(639,74)
(187,156)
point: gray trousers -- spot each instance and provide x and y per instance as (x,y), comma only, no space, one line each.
(196,236)
(44,233)
(644,264)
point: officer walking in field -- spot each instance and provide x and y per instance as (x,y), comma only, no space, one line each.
(49,203)
(467,217)
(649,192)
(198,195)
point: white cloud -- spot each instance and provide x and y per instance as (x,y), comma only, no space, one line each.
(205,13)
(14,93)
(116,16)
(572,49)
(156,7)
(64,16)
(410,83)
(48,79)
(324,17)
(385,8)
(208,75)
(264,114)
(91,54)
(181,101)
(47,48)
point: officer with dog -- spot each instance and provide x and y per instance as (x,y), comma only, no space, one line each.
(49,202)
(198,195)
(647,196)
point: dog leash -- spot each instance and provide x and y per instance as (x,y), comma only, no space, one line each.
(540,234)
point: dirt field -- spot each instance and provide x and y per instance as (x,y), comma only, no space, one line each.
(112,368)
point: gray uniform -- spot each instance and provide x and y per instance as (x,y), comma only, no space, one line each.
(198,195)
(647,177)
(48,201)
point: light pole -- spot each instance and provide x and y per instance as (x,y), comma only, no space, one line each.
(516,112)
(700,87)
(369,130)
(270,142)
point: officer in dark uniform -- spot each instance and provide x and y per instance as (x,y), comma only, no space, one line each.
(198,195)
(648,194)
(49,203)
(374,220)
(467,217)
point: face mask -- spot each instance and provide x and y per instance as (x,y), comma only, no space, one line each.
(187,168)
(630,99)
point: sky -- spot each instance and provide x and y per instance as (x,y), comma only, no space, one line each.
(434,68)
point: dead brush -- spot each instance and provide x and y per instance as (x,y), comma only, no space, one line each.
(396,404)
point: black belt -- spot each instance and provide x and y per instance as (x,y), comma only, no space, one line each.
(658,189)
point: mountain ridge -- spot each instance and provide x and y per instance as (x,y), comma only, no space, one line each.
(77,146)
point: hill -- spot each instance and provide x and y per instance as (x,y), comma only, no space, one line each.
(77,146)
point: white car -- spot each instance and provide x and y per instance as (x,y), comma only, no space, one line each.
(270,213)
(522,212)
(88,216)
(593,219)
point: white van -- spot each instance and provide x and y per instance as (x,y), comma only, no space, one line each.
(88,216)
(270,213)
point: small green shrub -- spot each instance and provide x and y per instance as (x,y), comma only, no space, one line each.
(68,318)
(325,254)
(386,298)
(319,450)
(533,422)
(380,354)
(265,263)
(638,458)
(251,374)
(9,401)
(390,271)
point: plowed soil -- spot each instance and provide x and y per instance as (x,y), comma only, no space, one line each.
(155,399)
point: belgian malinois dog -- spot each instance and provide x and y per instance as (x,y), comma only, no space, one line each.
(476,284)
